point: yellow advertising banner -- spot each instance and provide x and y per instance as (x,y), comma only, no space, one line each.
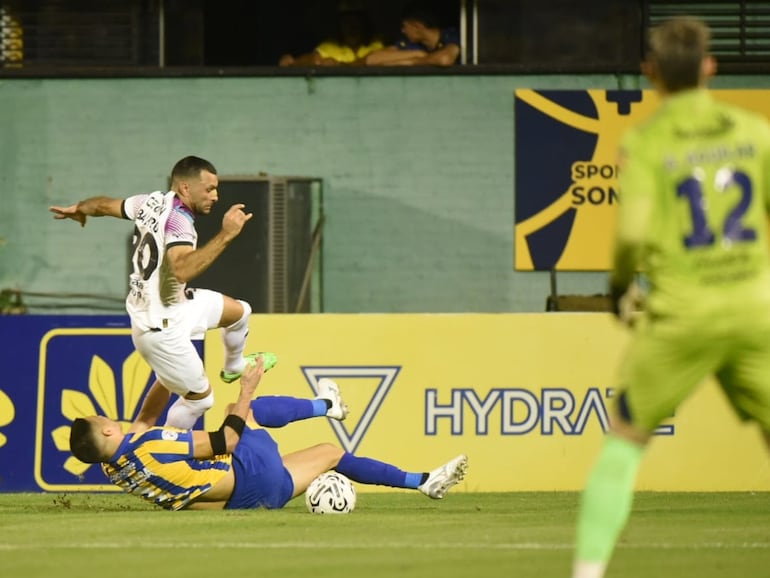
(524,395)
(566,174)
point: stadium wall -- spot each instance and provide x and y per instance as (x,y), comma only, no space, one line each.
(524,395)
(418,175)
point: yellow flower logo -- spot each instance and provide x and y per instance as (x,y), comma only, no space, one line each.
(7,413)
(104,391)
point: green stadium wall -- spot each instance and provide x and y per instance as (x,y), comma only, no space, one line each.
(418,176)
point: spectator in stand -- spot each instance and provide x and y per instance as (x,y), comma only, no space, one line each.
(424,41)
(352,43)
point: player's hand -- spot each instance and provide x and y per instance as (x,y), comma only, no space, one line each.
(234,220)
(251,376)
(626,301)
(70,212)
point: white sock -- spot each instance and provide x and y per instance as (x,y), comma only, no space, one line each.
(583,569)
(183,413)
(234,339)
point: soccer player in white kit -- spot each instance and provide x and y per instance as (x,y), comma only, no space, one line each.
(166,315)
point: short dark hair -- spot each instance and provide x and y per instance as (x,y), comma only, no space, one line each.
(83,443)
(677,48)
(191,166)
(420,12)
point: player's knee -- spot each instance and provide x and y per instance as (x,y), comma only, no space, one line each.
(624,411)
(185,412)
(203,404)
(334,453)
(246,309)
(242,322)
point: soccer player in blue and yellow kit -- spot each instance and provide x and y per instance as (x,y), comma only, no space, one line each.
(237,466)
(694,187)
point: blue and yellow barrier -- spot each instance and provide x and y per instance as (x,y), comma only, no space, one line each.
(524,395)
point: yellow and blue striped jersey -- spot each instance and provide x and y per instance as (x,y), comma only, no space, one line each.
(157,465)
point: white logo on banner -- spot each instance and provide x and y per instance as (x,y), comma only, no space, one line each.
(386,374)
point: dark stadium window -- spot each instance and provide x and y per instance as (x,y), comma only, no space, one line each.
(559,33)
(515,36)
(85,33)
(257,32)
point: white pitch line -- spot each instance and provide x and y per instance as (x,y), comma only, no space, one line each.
(356,546)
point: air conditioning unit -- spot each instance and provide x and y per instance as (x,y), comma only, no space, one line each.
(275,263)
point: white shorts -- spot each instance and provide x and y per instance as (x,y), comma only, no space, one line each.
(170,351)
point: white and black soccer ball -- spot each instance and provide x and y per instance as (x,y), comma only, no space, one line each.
(330,493)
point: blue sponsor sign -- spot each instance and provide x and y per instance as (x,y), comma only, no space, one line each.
(58,368)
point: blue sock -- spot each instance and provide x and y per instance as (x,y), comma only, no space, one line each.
(279,410)
(373,472)
(414,480)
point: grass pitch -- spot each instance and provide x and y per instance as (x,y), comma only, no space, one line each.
(397,534)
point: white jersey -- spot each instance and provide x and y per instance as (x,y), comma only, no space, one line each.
(162,221)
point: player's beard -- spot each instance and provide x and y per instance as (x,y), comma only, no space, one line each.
(203,208)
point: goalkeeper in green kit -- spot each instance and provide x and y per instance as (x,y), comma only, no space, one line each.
(694,186)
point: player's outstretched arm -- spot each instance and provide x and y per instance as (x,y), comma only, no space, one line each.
(224,440)
(93,207)
(153,405)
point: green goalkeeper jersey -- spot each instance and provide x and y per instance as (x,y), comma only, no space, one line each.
(694,187)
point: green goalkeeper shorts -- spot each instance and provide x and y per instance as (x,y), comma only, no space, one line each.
(669,358)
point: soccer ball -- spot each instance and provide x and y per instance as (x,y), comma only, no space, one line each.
(330,493)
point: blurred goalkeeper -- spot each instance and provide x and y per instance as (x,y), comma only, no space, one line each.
(694,185)
(239,465)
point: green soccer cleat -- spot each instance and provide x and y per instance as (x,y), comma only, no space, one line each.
(268,361)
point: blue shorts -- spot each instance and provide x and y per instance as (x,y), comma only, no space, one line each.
(261,480)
